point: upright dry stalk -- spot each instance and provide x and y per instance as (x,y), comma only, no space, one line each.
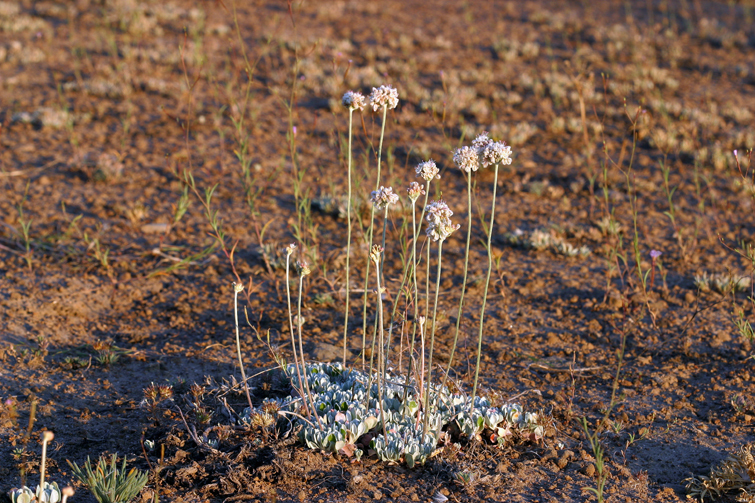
(67,493)
(493,153)
(290,250)
(432,340)
(375,254)
(464,281)
(415,190)
(428,171)
(237,288)
(47,436)
(384,97)
(438,229)
(381,199)
(304,271)
(355,101)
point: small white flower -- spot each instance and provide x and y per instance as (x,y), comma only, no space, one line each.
(383,197)
(354,100)
(415,190)
(494,153)
(482,140)
(383,96)
(439,221)
(427,170)
(467,159)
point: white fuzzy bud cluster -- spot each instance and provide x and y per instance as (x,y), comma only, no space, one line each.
(427,170)
(484,152)
(354,100)
(383,197)
(439,221)
(415,190)
(383,96)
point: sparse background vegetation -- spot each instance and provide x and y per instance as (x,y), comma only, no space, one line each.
(153,153)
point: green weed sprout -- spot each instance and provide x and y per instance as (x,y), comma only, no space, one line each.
(108,483)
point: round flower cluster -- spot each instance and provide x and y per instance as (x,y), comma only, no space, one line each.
(383,96)
(467,159)
(481,140)
(439,221)
(483,152)
(427,170)
(304,269)
(494,153)
(353,100)
(382,197)
(415,190)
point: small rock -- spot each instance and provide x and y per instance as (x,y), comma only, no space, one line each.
(325,352)
(377,495)
(302,496)
(589,470)
(156,228)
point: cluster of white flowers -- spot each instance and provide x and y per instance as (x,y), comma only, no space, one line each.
(427,170)
(383,96)
(483,152)
(467,159)
(415,190)
(439,221)
(382,197)
(354,100)
(496,152)
(481,140)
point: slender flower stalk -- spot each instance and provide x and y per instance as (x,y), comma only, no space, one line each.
(467,165)
(421,370)
(237,288)
(384,97)
(304,271)
(428,171)
(494,153)
(375,255)
(381,200)
(290,250)
(355,101)
(415,190)
(439,228)
(47,437)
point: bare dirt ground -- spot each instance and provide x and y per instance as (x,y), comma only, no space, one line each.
(105,288)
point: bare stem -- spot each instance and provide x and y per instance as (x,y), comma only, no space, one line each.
(291,326)
(432,338)
(381,355)
(236,289)
(464,281)
(301,352)
(372,224)
(487,284)
(348,245)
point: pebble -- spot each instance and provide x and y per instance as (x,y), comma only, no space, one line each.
(589,470)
